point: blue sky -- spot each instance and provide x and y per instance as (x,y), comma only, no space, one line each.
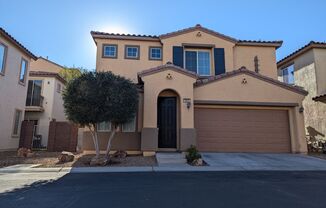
(61,29)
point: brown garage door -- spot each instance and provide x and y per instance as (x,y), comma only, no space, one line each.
(242,130)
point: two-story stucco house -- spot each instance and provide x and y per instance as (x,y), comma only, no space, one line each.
(14,66)
(306,67)
(200,87)
(44,98)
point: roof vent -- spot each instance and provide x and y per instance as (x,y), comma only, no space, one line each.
(198,25)
(169,63)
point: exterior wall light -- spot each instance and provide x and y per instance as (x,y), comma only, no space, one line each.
(301,109)
(187,101)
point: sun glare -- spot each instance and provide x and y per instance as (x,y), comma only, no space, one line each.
(115,29)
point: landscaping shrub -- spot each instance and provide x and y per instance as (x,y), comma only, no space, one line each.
(192,154)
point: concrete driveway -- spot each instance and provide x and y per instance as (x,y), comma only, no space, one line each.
(256,161)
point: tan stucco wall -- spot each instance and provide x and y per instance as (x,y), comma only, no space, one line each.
(52,105)
(156,83)
(320,61)
(235,56)
(126,67)
(244,56)
(256,90)
(44,65)
(12,95)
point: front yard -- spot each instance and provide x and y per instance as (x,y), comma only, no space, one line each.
(50,159)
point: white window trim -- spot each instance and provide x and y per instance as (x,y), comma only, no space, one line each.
(115,52)
(132,57)
(150,53)
(199,50)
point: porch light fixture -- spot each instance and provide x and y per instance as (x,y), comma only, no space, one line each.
(187,101)
(301,109)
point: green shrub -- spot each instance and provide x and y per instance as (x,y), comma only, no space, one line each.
(192,154)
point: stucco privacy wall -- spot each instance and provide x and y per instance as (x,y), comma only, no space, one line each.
(244,56)
(256,90)
(192,38)
(12,95)
(126,67)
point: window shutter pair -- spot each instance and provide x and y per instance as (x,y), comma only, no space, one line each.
(219,59)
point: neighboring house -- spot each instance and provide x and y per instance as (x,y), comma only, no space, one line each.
(306,67)
(199,87)
(44,98)
(14,66)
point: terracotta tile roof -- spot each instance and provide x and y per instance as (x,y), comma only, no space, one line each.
(198,27)
(310,45)
(321,97)
(96,34)
(16,43)
(47,74)
(276,44)
(244,70)
(164,67)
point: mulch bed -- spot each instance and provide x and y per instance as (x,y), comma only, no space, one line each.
(50,159)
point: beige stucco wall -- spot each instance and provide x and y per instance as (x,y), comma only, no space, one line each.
(235,56)
(256,90)
(126,67)
(320,61)
(52,105)
(156,83)
(244,56)
(44,65)
(12,95)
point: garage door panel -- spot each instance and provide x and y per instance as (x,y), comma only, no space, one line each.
(242,130)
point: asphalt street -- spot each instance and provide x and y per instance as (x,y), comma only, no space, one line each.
(167,189)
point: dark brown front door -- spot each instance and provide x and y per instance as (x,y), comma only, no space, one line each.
(167,122)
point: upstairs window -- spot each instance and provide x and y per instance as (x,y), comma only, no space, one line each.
(198,61)
(3,50)
(288,74)
(155,53)
(58,87)
(23,71)
(110,51)
(17,121)
(34,91)
(132,52)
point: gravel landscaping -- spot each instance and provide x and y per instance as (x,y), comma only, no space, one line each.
(50,159)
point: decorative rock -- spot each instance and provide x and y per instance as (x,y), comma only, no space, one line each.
(197,162)
(120,154)
(102,161)
(23,152)
(66,157)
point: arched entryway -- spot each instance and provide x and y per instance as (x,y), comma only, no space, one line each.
(167,119)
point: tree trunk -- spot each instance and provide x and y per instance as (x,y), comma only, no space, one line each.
(108,148)
(95,139)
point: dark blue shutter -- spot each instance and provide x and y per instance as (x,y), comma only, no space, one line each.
(219,61)
(178,56)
